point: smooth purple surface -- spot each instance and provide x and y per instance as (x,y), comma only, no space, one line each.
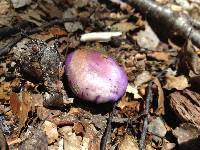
(95,77)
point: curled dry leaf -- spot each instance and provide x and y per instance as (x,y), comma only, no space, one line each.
(129,107)
(161,108)
(179,83)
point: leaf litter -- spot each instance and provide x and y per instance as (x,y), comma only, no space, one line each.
(37,105)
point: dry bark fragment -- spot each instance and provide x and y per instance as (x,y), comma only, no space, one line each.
(186,105)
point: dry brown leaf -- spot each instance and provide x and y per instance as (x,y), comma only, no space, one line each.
(21,106)
(5,90)
(126,104)
(71,141)
(51,131)
(4,7)
(178,83)
(15,104)
(78,128)
(161,56)
(90,140)
(24,109)
(142,78)
(56,31)
(123,26)
(33,16)
(128,143)
(161,108)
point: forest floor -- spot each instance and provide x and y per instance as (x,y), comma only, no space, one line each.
(157,44)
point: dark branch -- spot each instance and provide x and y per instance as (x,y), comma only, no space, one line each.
(108,130)
(172,22)
(145,124)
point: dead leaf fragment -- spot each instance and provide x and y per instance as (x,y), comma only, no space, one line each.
(21,106)
(179,83)
(128,143)
(51,131)
(160,56)
(133,90)
(5,91)
(20,3)
(71,141)
(123,26)
(147,38)
(15,104)
(160,110)
(128,106)
(4,7)
(69,26)
(187,136)
(142,78)
(78,128)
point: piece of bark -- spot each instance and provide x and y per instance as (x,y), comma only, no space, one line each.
(186,105)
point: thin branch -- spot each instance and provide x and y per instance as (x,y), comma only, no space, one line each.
(164,17)
(108,130)
(145,125)
(8,31)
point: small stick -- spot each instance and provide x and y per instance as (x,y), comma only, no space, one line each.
(145,125)
(108,130)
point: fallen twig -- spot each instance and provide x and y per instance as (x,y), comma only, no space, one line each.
(145,124)
(20,36)
(147,105)
(8,31)
(173,22)
(108,130)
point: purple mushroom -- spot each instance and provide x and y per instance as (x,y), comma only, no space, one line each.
(94,76)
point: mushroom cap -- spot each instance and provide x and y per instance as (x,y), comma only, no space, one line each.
(95,77)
